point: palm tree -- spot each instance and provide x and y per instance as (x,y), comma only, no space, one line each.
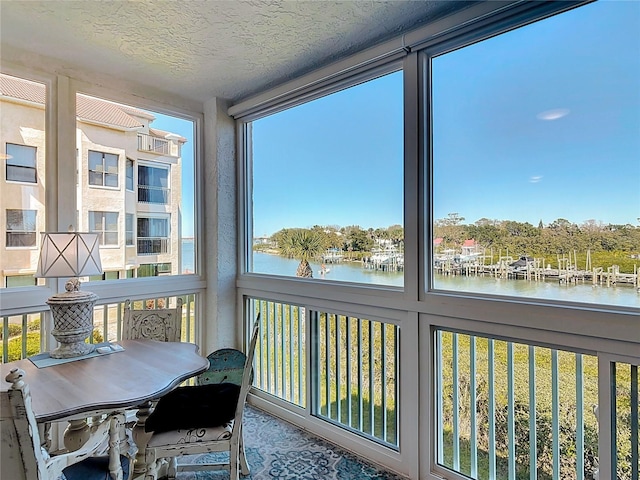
(305,245)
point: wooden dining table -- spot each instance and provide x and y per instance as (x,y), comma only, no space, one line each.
(143,371)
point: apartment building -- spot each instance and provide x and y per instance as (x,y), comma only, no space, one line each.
(128,189)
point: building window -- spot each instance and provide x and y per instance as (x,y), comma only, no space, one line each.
(106,224)
(154,269)
(535,162)
(153,184)
(130,234)
(130,184)
(21,228)
(103,169)
(153,235)
(300,210)
(21,163)
(20,281)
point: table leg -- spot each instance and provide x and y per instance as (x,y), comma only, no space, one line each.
(76,434)
(141,438)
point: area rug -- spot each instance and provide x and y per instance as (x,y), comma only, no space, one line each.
(277,450)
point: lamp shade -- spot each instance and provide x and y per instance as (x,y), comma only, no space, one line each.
(72,254)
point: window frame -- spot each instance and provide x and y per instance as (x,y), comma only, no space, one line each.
(130,168)
(104,174)
(165,191)
(104,231)
(24,231)
(9,164)
(166,218)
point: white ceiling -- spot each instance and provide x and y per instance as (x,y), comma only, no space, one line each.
(199,49)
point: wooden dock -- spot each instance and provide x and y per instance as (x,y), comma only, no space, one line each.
(536,271)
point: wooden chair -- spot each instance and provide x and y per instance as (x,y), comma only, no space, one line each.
(24,457)
(162,324)
(228,366)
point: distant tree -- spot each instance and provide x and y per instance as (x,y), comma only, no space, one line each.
(304,245)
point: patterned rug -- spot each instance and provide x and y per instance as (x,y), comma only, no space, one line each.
(277,450)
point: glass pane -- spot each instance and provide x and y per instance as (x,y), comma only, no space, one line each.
(22,188)
(21,155)
(328,187)
(121,135)
(535,160)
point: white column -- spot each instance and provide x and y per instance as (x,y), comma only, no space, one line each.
(220,229)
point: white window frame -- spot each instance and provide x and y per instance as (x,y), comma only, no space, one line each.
(103,173)
(167,219)
(601,329)
(130,230)
(158,166)
(10,164)
(104,231)
(23,230)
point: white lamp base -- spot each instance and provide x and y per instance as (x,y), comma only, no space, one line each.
(72,323)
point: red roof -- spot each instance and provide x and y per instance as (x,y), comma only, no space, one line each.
(88,108)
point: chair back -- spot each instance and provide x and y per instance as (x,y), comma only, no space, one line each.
(24,457)
(162,324)
(247,375)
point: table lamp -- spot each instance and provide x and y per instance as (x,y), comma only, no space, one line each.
(74,255)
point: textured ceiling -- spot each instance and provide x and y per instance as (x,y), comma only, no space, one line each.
(199,49)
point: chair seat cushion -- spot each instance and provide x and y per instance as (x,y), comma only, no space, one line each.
(191,435)
(94,468)
(200,406)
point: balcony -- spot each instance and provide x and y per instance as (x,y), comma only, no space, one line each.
(148,143)
(155,195)
(153,245)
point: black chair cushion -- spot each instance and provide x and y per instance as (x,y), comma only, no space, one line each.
(94,468)
(203,406)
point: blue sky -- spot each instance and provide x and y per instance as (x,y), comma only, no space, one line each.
(537,124)
(186,129)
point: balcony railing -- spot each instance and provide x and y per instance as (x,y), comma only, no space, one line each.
(354,366)
(509,410)
(147,143)
(157,195)
(23,335)
(153,245)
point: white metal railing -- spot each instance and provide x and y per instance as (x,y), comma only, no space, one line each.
(354,367)
(23,335)
(157,195)
(148,143)
(152,245)
(518,411)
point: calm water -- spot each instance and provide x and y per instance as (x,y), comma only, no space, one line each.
(353,272)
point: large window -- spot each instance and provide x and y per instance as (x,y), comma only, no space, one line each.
(328,187)
(156,204)
(153,184)
(22,163)
(535,160)
(106,224)
(103,169)
(21,228)
(153,236)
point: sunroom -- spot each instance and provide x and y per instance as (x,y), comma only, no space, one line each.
(433,206)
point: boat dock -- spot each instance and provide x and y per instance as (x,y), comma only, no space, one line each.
(535,270)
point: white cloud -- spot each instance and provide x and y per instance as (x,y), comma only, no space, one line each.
(535,179)
(554,114)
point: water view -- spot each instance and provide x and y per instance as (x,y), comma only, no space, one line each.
(625,295)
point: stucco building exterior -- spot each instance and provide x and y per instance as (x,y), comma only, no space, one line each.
(129,185)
